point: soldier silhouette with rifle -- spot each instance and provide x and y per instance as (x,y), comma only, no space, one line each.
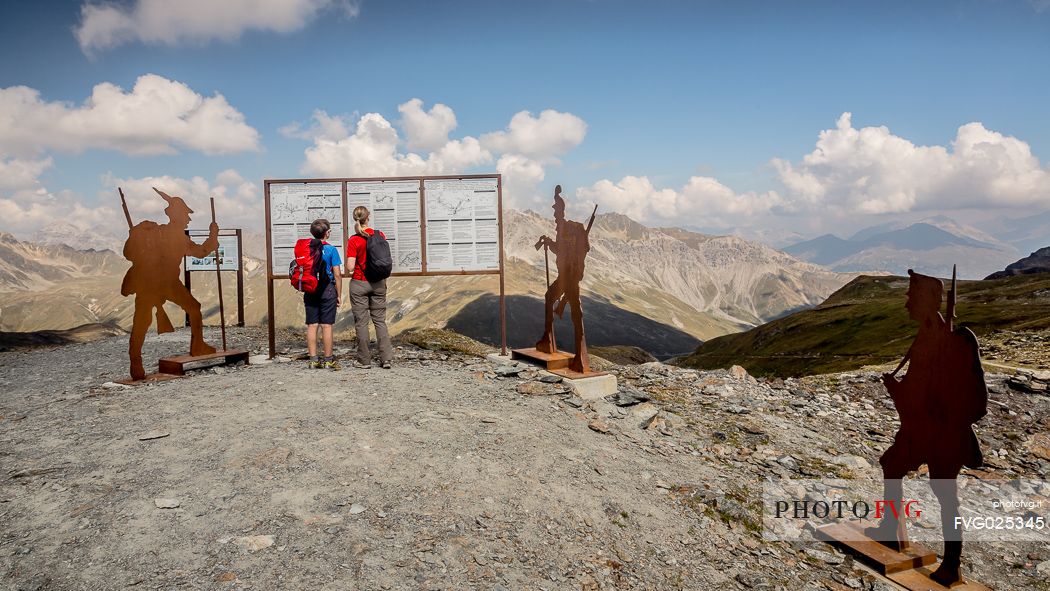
(156,252)
(938,401)
(570,248)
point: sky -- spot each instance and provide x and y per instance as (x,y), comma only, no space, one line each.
(772,119)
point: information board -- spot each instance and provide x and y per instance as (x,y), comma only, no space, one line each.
(293,207)
(436,225)
(462,223)
(229,257)
(394,207)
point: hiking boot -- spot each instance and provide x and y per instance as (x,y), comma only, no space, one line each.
(359,365)
(386,365)
(316,364)
(332,365)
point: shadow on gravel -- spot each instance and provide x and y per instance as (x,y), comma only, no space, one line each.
(606,325)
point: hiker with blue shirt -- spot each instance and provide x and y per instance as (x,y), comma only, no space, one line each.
(321,305)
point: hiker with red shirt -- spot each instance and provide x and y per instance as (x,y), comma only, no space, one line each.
(367,298)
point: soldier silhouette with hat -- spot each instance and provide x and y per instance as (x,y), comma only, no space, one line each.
(156,252)
(938,401)
(570,249)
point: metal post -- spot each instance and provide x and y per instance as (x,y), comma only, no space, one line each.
(186,275)
(271,330)
(502,271)
(218,280)
(240,280)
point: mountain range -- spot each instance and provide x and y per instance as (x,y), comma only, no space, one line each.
(930,246)
(639,280)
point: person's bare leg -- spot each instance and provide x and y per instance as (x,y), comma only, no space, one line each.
(182,297)
(311,340)
(546,343)
(139,327)
(326,335)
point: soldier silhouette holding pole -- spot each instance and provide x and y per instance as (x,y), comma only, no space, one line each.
(938,401)
(570,248)
(156,252)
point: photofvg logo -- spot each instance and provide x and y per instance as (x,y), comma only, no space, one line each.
(988,510)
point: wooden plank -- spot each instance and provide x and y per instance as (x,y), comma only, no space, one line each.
(882,558)
(551,361)
(177,365)
(569,374)
(919,580)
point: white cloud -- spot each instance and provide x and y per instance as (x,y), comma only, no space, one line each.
(18,174)
(872,171)
(238,202)
(521,177)
(41,215)
(163,22)
(329,127)
(702,201)
(426,130)
(541,138)
(158,116)
(29,211)
(374,148)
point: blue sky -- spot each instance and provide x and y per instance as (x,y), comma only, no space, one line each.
(669,92)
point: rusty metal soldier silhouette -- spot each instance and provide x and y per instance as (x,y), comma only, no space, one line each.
(156,253)
(570,248)
(938,401)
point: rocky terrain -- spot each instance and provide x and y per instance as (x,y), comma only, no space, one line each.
(447,472)
(1037,262)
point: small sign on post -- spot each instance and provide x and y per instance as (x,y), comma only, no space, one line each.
(228,256)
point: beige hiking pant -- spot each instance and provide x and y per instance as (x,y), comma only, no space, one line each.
(369,300)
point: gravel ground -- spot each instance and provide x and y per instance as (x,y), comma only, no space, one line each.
(445,472)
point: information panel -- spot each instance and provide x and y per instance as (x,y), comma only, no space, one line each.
(293,207)
(395,212)
(462,220)
(229,258)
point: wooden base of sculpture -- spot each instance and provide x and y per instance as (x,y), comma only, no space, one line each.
(919,580)
(910,569)
(557,363)
(575,375)
(885,560)
(549,361)
(177,365)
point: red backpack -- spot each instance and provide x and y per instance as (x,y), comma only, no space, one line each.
(304,269)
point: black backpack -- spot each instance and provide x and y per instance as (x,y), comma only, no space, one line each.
(378,262)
